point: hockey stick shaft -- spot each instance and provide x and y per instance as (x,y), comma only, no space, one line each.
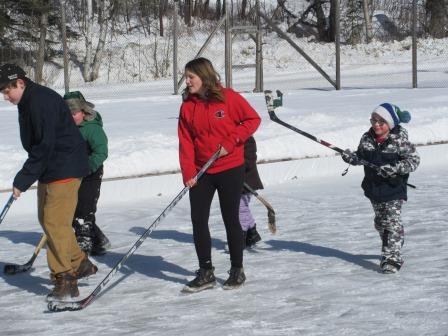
(6,208)
(59,305)
(271,110)
(271,212)
(12,269)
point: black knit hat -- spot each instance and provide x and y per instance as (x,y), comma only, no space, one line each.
(9,73)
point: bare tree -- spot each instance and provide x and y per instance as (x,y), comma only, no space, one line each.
(204,13)
(243,8)
(41,50)
(188,12)
(91,67)
(88,37)
(437,13)
(368,24)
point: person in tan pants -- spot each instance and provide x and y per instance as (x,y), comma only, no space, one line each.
(56,206)
(57,159)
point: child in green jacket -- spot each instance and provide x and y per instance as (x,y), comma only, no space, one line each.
(89,236)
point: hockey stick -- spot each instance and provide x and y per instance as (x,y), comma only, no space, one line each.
(271,213)
(12,269)
(272,103)
(6,208)
(60,305)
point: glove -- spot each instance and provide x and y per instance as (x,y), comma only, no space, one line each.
(387,171)
(350,157)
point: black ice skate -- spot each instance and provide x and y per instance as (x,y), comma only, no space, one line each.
(236,278)
(205,279)
(252,237)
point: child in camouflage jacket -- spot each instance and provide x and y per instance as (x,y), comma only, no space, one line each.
(386,145)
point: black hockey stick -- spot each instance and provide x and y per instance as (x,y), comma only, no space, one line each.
(60,305)
(6,208)
(272,103)
(271,213)
(12,269)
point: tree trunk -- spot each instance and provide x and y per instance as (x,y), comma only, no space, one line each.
(332,19)
(89,29)
(368,24)
(204,13)
(218,9)
(197,8)
(41,51)
(103,22)
(161,12)
(243,8)
(321,21)
(188,12)
(438,21)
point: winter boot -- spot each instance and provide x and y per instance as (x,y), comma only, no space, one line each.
(389,266)
(85,269)
(100,242)
(65,287)
(236,278)
(84,234)
(205,279)
(252,237)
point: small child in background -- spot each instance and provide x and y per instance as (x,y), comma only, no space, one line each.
(89,236)
(386,145)
(252,178)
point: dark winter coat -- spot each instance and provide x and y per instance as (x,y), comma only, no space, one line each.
(48,133)
(93,133)
(204,126)
(397,151)
(252,178)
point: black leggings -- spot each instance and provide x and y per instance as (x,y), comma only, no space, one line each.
(229,184)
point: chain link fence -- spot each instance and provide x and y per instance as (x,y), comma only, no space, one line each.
(136,47)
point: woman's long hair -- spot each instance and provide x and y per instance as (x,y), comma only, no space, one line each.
(211,81)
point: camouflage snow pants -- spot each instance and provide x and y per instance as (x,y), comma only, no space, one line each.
(388,224)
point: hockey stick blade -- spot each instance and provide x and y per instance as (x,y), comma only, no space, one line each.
(61,306)
(12,269)
(271,213)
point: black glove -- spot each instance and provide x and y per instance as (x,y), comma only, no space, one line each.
(350,157)
(387,171)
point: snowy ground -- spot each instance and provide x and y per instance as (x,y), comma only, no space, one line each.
(317,276)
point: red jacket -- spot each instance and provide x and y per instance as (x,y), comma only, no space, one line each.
(206,125)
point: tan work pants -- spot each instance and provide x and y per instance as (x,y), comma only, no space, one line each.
(56,204)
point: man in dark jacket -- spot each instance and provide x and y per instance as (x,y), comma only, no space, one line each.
(57,159)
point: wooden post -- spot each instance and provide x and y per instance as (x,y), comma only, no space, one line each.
(337,40)
(414,44)
(258,54)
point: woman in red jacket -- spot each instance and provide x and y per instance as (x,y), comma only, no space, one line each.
(212,118)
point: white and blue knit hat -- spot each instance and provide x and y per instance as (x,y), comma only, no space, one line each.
(392,114)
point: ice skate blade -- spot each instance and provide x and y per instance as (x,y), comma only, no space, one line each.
(190,290)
